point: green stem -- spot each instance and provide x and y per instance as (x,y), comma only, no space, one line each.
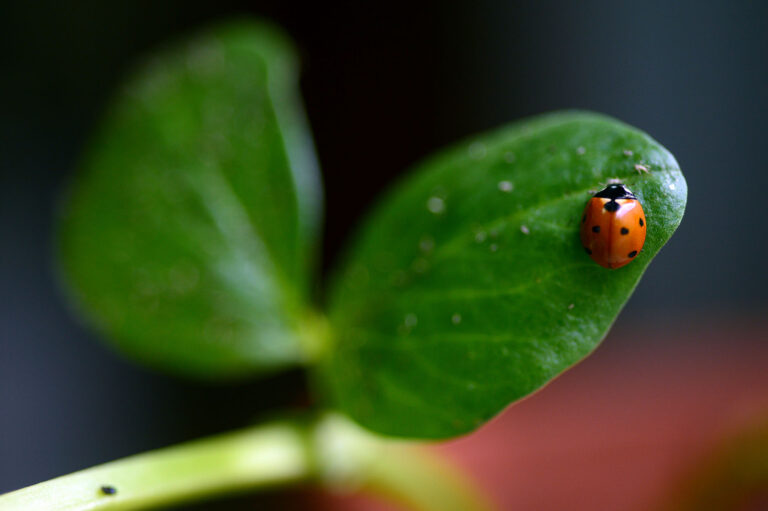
(332,451)
(426,483)
(401,471)
(262,456)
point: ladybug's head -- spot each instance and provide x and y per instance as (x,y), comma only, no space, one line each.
(615,191)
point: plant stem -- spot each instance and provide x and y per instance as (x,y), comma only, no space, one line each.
(331,451)
(403,472)
(263,456)
(426,483)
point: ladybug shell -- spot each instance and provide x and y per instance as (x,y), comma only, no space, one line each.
(613,227)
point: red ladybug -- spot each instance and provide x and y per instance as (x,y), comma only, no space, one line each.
(613,226)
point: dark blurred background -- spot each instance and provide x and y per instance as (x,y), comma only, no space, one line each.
(384,85)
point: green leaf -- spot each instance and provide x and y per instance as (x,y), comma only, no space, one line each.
(187,236)
(468,287)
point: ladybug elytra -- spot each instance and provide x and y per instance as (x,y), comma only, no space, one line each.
(613,226)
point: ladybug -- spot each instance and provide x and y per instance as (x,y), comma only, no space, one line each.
(613,226)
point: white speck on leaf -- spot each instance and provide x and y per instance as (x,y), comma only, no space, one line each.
(426,244)
(672,186)
(641,168)
(524,229)
(571,306)
(480,236)
(436,205)
(627,152)
(506,186)
(580,150)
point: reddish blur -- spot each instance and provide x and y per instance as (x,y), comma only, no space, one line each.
(628,429)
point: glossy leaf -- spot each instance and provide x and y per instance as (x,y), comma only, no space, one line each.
(468,287)
(187,236)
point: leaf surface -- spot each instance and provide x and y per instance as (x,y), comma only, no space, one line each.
(187,236)
(468,287)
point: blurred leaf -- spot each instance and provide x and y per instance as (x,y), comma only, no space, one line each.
(468,287)
(188,234)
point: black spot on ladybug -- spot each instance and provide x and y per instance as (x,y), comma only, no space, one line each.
(641,222)
(108,490)
(588,251)
(596,228)
(632,254)
(624,230)
(584,219)
(612,206)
